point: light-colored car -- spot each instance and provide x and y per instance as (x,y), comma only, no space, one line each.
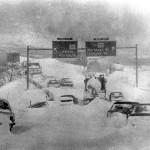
(121,107)
(140,116)
(7,117)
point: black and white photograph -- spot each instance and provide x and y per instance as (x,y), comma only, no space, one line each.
(74,74)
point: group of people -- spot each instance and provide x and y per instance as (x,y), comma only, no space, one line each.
(101,79)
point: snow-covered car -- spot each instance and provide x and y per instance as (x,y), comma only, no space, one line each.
(87,100)
(68,100)
(124,108)
(66,82)
(39,105)
(140,115)
(53,82)
(116,96)
(7,117)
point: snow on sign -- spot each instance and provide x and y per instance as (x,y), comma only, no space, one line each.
(65,49)
(13,57)
(100,48)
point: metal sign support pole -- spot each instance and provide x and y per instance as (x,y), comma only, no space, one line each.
(28,50)
(27,72)
(136,61)
(136,53)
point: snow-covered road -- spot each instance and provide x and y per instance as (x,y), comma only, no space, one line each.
(73,127)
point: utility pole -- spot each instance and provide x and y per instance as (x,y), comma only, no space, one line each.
(136,53)
(28,52)
(136,61)
(27,67)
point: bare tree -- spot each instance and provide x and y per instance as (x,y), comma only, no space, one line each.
(11,69)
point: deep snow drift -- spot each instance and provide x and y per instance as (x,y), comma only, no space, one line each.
(74,127)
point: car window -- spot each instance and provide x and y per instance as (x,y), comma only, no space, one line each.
(122,106)
(117,94)
(119,107)
(66,79)
(66,98)
(142,109)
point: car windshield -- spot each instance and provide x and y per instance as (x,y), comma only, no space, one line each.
(121,106)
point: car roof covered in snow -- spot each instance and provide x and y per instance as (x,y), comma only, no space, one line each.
(148,104)
(126,102)
(67,96)
(65,78)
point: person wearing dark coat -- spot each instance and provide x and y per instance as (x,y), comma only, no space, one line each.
(85,82)
(103,84)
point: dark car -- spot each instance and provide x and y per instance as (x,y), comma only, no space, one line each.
(116,96)
(140,115)
(68,100)
(53,82)
(39,105)
(66,82)
(124,108)
(7,117)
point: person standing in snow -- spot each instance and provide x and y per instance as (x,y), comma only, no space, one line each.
(103,83)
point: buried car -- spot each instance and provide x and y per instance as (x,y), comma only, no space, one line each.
(140,115)
(68,100)
(66,82)
(7,117)
(39,105)
(53,82)
(122,108)
(116,96)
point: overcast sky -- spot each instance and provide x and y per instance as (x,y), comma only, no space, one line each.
(33,20)
(142,6)
(139,5)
